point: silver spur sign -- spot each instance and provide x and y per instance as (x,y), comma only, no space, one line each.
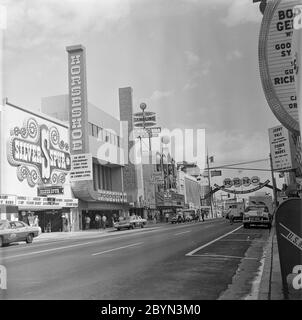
(38,152)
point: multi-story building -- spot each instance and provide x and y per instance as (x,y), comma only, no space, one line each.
(97,147)
(106,195)
(188,185)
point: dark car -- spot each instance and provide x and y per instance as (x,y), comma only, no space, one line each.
(15,231)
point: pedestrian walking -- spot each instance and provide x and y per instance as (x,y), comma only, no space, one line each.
(167,217)
(104,220)
(154,218)
(65,223)
(98,221)
(87,222)
(231,217)
(202,215)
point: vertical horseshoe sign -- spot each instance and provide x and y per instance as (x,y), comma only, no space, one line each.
(276,63)
(289,237)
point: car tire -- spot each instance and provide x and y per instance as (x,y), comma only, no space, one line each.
(246,226)
(1,242)
(118,229)
(29,238)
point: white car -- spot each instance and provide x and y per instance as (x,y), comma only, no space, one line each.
(257,215)
(130,223)
(15,231)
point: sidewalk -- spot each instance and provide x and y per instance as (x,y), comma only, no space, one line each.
(271,280)
(82,234)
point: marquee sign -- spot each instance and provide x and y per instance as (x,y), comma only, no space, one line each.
(277,67)
(38,152)
(112,196)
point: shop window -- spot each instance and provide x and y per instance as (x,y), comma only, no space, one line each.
(106,136)
(90,128)
(94,131)
(100,178)
(100,135)
(95,176)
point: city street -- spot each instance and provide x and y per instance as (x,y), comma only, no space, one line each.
(164,261)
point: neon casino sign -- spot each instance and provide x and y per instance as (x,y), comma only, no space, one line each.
(38,152)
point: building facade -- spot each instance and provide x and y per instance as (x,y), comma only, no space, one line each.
(35,165)
(96,147)
(106,195)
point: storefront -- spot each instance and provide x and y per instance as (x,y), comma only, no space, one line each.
(34,170)
(169,202)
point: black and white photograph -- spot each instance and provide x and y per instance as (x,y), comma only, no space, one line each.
(150,150)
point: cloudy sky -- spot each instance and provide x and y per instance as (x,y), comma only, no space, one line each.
(194,62)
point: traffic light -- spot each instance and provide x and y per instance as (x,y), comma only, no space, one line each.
(262,5)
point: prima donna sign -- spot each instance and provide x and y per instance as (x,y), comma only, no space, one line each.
(38,152)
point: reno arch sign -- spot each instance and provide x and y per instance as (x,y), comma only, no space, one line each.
(276,63)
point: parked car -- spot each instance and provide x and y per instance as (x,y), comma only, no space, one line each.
(130,223)
(257,215)
(178,217)
(188,216)
(15,231)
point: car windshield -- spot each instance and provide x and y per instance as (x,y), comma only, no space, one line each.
(256,208)
(3,225)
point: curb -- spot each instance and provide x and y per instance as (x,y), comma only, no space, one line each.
(271,280)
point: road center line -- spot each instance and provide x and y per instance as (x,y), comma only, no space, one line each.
(53,249)
(115,249)
(176,234)
(213,241)
(222,256)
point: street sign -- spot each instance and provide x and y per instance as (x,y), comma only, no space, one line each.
(144,133)
(289,238)
(141,114)
(282,148)
(216,173)
(141,124)
(144,119)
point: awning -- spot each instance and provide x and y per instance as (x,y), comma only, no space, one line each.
(39,208)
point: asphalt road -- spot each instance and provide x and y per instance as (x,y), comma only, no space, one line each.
(195,261)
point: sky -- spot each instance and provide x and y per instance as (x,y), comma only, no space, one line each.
(194,62)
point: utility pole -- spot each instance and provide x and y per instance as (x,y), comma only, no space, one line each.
(273,181)
(209,180)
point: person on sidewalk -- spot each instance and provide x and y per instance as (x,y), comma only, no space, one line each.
(202,215)
(98,222)
(231,217)
(104,220)
(167,217)
(87,222)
